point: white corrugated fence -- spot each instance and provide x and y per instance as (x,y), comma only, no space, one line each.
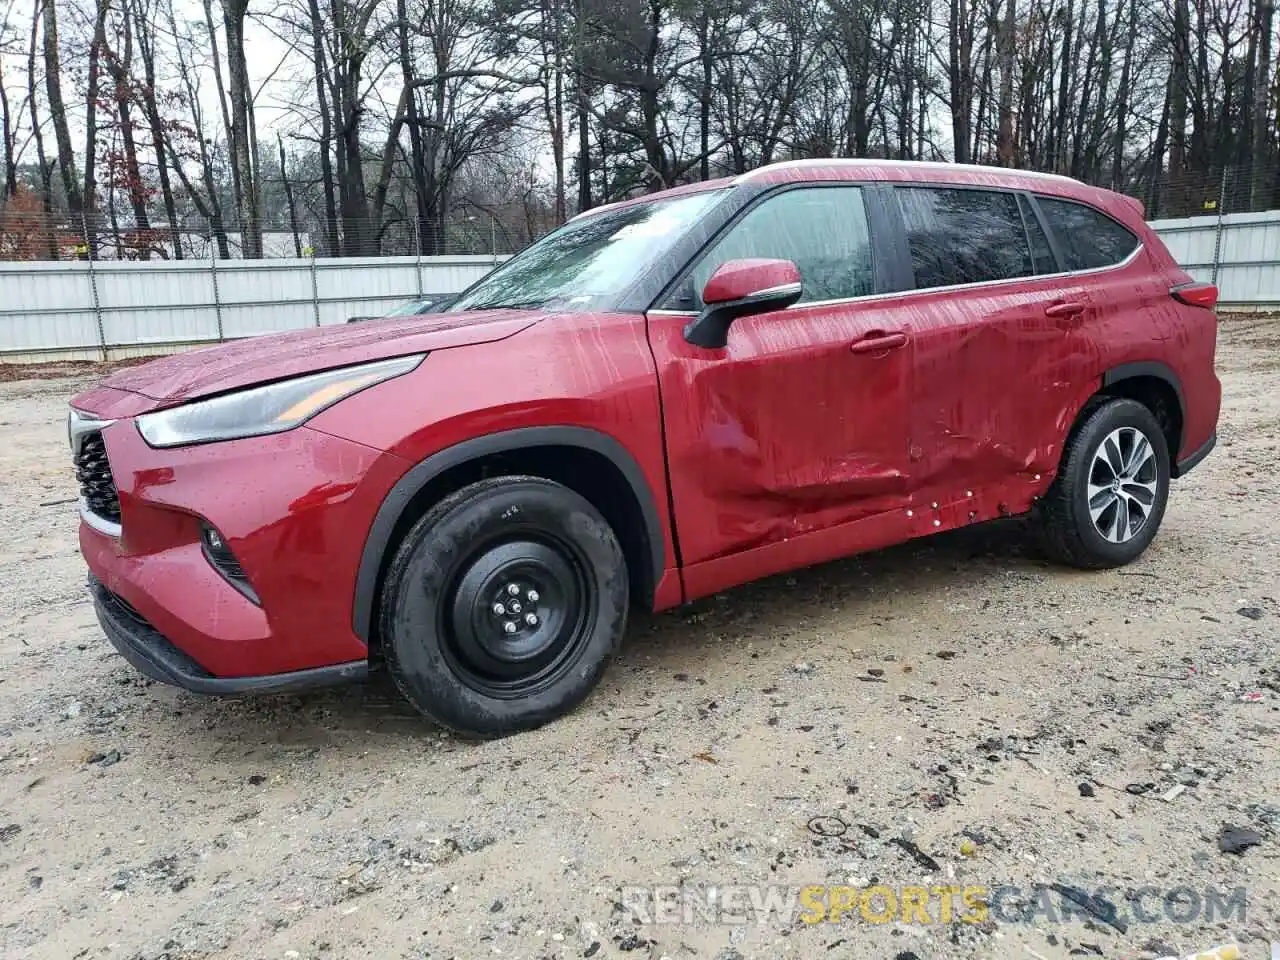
(111,309)
(85,310)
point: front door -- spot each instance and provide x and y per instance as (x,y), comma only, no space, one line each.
(781,442)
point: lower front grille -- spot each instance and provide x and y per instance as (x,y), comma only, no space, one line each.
(97,486)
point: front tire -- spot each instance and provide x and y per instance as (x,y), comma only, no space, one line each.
(1109,497)
(504,605)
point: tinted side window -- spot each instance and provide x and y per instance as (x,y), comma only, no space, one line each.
(963,236)
(823,230)
(1041,253)
(1087,238)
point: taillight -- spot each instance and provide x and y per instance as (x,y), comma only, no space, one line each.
(1196,295)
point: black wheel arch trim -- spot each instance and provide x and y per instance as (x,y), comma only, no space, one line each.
(1151,368)
(378,541)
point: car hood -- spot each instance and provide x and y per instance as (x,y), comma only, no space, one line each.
(244,363)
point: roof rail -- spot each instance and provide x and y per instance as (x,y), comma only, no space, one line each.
(877,162)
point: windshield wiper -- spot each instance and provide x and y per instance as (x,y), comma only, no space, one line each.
(508,305)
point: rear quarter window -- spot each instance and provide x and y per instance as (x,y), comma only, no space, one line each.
(1087,238)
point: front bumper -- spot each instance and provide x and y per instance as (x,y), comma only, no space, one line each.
(153,656)
(294,509)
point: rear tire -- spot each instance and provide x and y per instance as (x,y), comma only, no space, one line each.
(1109,497)
(503,606)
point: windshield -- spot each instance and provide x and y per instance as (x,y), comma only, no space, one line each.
(588,260)
(410,308)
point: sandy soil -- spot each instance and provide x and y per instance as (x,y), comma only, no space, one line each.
(948,696)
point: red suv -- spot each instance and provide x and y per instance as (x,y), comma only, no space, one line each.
(662,399)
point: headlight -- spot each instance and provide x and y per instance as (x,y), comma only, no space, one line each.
(273,408)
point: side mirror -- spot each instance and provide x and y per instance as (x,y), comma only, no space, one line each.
(741,288)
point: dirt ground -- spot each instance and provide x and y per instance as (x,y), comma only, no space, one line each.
(951,712)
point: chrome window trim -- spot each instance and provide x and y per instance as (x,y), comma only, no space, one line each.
(779,289)
(872,297)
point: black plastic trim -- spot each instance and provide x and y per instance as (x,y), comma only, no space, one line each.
(1184,466)
(384,523)
(152,655)
(1150,368)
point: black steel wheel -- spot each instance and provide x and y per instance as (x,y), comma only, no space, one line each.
(503,606)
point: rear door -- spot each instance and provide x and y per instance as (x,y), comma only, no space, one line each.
(792,429)
(1001,343)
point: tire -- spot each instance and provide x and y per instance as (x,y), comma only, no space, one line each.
(545,557)
(1069,530)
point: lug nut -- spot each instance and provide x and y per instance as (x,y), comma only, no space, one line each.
(514,606)
(510,626)
(499,609)
(531,619)
(533,596)
(513,589)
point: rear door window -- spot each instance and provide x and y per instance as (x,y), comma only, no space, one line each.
(958,236)
(1088,238)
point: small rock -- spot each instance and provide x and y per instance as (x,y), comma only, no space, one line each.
(1173,793)
(945,654)
(105,759)
(728,953)
(1187,778)
(35,882)
(592,950)
(1138,789)
(73,710)
(1086,789)
(875,672)
(256,780)
(802,667)
(850,787)
(1238,839)
(1253,613)
(9,830)
(180,884)
(496,907)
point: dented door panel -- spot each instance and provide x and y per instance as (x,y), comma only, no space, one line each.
(785,431)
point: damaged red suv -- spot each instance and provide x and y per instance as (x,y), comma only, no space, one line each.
(662,399)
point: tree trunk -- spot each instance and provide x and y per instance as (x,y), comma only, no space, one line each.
(1004,147)
(119,65)
(6,124)
(1122,99)
(329,229)
(1262,178)
(242,129)
(58,112)
(288,196)
(1179,82)
(46,168)
(960,76)
(91,121)
(583,110)
(156,125)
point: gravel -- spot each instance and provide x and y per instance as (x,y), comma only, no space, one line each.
(1010,703)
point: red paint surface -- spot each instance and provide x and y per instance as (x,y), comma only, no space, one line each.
(738,279)
(819,431)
